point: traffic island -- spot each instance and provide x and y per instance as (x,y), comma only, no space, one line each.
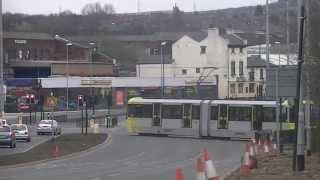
(279,167)
(63,145)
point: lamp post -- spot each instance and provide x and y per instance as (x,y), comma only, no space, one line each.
(2,97)
(277,98)
(67,74)
(162,68)
(91,75)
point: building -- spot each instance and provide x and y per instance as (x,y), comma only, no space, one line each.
(36,55)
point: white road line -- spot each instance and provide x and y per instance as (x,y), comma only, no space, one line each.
(97,178)
(115,174)
(131,157)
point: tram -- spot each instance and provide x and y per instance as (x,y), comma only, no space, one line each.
(202,118)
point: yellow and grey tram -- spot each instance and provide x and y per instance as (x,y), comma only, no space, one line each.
(202,118)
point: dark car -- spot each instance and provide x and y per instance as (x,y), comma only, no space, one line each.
(7,136)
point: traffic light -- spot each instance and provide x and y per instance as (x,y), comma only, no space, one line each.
(28,98)
(32,97)
(80,100)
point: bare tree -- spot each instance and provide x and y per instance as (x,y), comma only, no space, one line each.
(97,8)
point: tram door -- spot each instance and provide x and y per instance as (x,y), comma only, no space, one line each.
(187,116)
(156,116)
(257,118)
(223,119)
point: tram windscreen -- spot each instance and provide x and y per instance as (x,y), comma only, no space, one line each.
(140,111)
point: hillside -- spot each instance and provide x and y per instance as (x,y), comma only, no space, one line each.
(243,18)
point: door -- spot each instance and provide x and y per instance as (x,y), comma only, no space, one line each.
(257,118)
(156,115)
(223,118)
(187,116)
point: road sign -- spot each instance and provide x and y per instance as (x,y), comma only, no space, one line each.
(51,101)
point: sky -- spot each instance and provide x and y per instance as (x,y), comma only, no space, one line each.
(121,6)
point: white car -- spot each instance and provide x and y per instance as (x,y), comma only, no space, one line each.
(48,126)
(21,131)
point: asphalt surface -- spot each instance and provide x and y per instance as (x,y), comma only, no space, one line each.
(133,158)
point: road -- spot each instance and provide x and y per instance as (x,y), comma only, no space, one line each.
(134,158)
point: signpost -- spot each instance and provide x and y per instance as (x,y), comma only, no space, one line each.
(52,102)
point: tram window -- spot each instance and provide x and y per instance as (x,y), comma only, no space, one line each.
(239,114)
(172,111)
(140,111)
(195,112)
(269,114)
(214,112)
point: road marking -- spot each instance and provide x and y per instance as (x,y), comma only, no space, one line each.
(97,178)
(115,174)
(131,157)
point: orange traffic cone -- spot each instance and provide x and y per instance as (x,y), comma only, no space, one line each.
(179,174)
(210,169)
(56,151)
(245,167)
(255,146)
(200,170)
(251,149)
(266,146)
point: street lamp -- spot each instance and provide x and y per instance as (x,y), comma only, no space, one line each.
(279,125)
(92,44)
(67,74)
(162,68)
(2,96)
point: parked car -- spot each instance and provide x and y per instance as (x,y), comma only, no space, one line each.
(7,136)
(48,126)
(21,131)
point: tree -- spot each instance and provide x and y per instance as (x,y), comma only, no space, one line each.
(97,9)
(177,19)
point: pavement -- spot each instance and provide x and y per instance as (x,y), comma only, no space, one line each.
(127,157)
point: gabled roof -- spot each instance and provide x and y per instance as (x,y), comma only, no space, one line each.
(257,61)
(27,35)
(233,40)
(254,39)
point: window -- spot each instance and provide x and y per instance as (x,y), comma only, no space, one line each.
(241,68)
(240,88)
(269,114)
(140,111)
(251,87)
(261,74)
(232,88)
(241,50)
(197,70)
(239,113)
(214,113)
(155,51)
(196,112)
(203,49)
(233,68)
(172,111)
(184,71)
(232,50)
(251,75)
(247,90)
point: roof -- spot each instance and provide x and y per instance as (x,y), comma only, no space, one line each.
(155,59)
(254,39)
(233,40)
(27,35)
(257,61)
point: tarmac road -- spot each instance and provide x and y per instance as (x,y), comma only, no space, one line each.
(134,158)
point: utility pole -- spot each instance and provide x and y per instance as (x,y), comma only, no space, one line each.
(300,160)
(308,91)
(2,100)
(287,32)
(267,35)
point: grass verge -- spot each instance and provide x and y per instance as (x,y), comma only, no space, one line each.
(62,145)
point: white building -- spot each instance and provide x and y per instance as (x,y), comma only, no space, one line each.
(219,56)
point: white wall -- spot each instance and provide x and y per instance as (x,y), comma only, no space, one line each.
(154,70)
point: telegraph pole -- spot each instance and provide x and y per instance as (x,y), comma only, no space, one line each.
(2,97)
(300,160)
(267,35)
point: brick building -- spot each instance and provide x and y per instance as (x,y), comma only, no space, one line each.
(39,55)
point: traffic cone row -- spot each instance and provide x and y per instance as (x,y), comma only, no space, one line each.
(204,166)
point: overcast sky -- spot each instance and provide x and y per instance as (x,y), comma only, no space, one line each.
(121,6)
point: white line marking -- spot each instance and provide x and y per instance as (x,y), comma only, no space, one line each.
(115,174)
